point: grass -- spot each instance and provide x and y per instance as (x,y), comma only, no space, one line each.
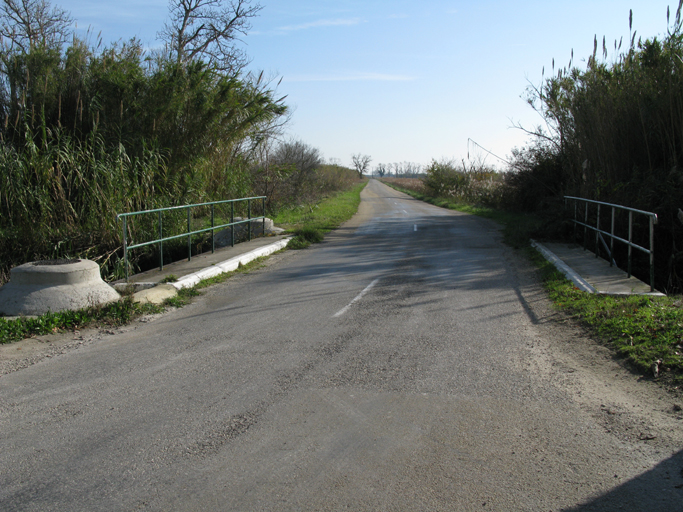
(647,332)
(111,315)
(310,223)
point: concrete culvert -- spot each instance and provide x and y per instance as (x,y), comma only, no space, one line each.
(45,286)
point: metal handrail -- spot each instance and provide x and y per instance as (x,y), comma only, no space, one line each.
(599,232)
(162,239)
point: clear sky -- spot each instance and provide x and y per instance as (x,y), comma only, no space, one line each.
(406,81)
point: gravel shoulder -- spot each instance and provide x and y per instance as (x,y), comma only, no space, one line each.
(628,405)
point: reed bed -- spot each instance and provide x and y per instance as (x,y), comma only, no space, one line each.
(614,133)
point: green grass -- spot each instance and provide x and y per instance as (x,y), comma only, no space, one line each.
(311,223)
(113,314)
(640,329)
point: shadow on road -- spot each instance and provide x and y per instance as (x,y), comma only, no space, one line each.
(447,251)
(653,491)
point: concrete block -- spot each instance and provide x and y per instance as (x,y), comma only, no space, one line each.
(54,285)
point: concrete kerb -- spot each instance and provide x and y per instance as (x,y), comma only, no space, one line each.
(579,281)
(230,265)
(591,274)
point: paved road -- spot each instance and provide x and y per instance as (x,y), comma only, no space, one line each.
(393,367)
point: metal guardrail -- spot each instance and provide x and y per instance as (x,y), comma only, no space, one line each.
(189,233)
(599,232)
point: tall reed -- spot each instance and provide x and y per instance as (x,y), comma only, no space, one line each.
(615,133)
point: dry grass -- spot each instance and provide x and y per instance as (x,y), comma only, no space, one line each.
(414,184)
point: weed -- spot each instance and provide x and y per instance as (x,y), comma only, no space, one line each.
(112,314)
(305,237)
(298,243)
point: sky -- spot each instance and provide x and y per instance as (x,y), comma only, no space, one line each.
(407,81)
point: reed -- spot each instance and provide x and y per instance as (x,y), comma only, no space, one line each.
(88,133)
(614,132)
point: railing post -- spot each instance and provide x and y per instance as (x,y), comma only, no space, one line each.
(652,254)
(630,240)
(597,234)
(585,228)
(263,210)
(125,246)
(611,240)
(232,226)
(249,216)
(161,243)
(576,218)
(213,239)
(189,237)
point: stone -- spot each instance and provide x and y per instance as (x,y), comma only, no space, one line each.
(156,295)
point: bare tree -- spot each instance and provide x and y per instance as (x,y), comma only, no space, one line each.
(303,157)
(381,170)
(27,24)
(208,30)
(361,163)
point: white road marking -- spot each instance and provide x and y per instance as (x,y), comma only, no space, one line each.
(415,227)
(358,297)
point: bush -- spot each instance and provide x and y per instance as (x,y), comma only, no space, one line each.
(477,185)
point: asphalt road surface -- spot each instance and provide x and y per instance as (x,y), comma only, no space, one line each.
(409,362)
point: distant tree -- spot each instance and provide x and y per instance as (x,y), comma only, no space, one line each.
(207,30)
(361,163)
(381,170)
(29,24)
(305,159)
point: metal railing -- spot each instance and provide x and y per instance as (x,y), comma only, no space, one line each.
(190,232)
(652,217)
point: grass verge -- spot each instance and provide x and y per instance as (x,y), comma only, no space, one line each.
(646,331)
(309,224)
(111,315)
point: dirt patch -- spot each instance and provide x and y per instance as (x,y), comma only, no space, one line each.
(24,353)
(562,353)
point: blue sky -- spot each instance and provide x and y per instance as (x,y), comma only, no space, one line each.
(406,81)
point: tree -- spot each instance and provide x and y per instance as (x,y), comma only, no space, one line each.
(381,170)
(29,24)
(305,159)
(207,30)
(361,163)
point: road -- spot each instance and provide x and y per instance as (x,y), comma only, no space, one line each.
(409,362)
